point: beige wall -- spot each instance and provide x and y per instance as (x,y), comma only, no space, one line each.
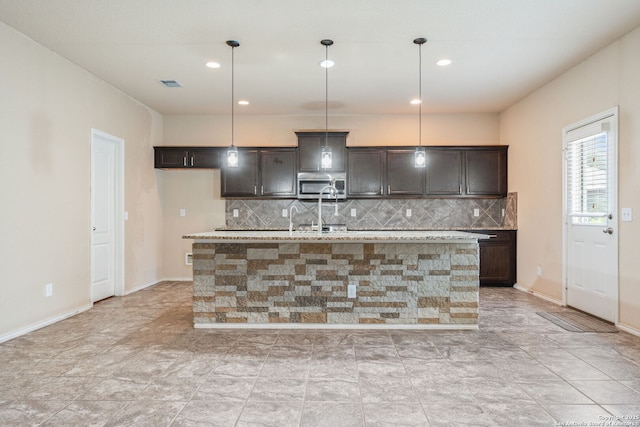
(199,191)
(533,130)
(48,107)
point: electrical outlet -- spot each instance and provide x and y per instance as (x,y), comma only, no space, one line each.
(48,289)
(236,213)
(126,216)
(408,213)
(284,213)
(188,258)
(183,212)
(351,291)
(353,212)
(476,212)
(503,212)
(538,271)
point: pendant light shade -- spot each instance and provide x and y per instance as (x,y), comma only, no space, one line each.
(233,160)
(420,156)
(326,156)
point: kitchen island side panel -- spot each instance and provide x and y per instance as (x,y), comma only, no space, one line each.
(306,283)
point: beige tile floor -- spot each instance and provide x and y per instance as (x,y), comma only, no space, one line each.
(137,360)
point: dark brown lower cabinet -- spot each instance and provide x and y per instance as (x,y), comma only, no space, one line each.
(498,258)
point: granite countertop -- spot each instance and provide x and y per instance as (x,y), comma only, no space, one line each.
(393,236)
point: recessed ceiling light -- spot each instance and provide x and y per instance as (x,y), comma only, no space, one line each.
(444,62)
(415,102)
(212,64)
(243,102)
(327,63)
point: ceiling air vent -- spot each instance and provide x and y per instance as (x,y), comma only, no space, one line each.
(170,83)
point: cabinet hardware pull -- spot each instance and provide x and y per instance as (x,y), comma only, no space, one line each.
(184,161)
(191,160)
(459,188)
(388,188)
(262,190)
(255,190)
(381,191)
(493,236)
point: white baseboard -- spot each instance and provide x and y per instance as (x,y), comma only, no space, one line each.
(155,282)
(22,331)
(141,287)
(539,295)
(629,329)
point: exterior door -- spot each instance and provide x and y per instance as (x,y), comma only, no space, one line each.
(591,223)
(104,206)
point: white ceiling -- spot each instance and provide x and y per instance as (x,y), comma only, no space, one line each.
(501,49)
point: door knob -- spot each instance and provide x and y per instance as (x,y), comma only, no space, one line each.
(607,230)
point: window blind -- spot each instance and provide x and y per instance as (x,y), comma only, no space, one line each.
(587,176)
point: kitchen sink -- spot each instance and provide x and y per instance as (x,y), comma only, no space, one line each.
(326,228)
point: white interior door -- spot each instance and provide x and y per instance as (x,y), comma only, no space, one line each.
(105,236)
(591,224)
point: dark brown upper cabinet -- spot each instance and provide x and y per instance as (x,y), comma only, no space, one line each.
(366,176)
(486,171)
(403,179)
(378,172)
(261,173)
(243,180)
(477,171)
(310,147)
(186,157)
(443,172)
(278,175)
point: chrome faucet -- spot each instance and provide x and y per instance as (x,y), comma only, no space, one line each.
(291,218)
(333,190)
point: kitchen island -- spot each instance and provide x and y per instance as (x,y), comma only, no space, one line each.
(354,279)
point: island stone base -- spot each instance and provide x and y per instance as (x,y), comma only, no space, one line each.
(279,284)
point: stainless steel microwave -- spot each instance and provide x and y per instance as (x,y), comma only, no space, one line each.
(311,183)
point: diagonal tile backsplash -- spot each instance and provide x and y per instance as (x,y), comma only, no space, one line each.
(376,214)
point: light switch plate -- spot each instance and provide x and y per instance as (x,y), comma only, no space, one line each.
(183,212)
(626,214)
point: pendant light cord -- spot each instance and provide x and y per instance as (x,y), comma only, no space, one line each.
(326,96)
(419,93)
(233,48)
(420,41)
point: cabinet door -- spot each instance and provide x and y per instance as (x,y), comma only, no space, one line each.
(243,180)
(310,147)
(486,172)
(365,177)
(169,157)
(205,158)
(403,178)
(278,173)
(498,258)
(443,172)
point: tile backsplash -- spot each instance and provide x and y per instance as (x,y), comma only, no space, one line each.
(377,214)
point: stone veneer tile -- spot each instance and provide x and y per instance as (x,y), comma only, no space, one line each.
(411,283)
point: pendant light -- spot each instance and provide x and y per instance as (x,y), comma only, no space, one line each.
(232,152)
(420,156)
(326,156)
